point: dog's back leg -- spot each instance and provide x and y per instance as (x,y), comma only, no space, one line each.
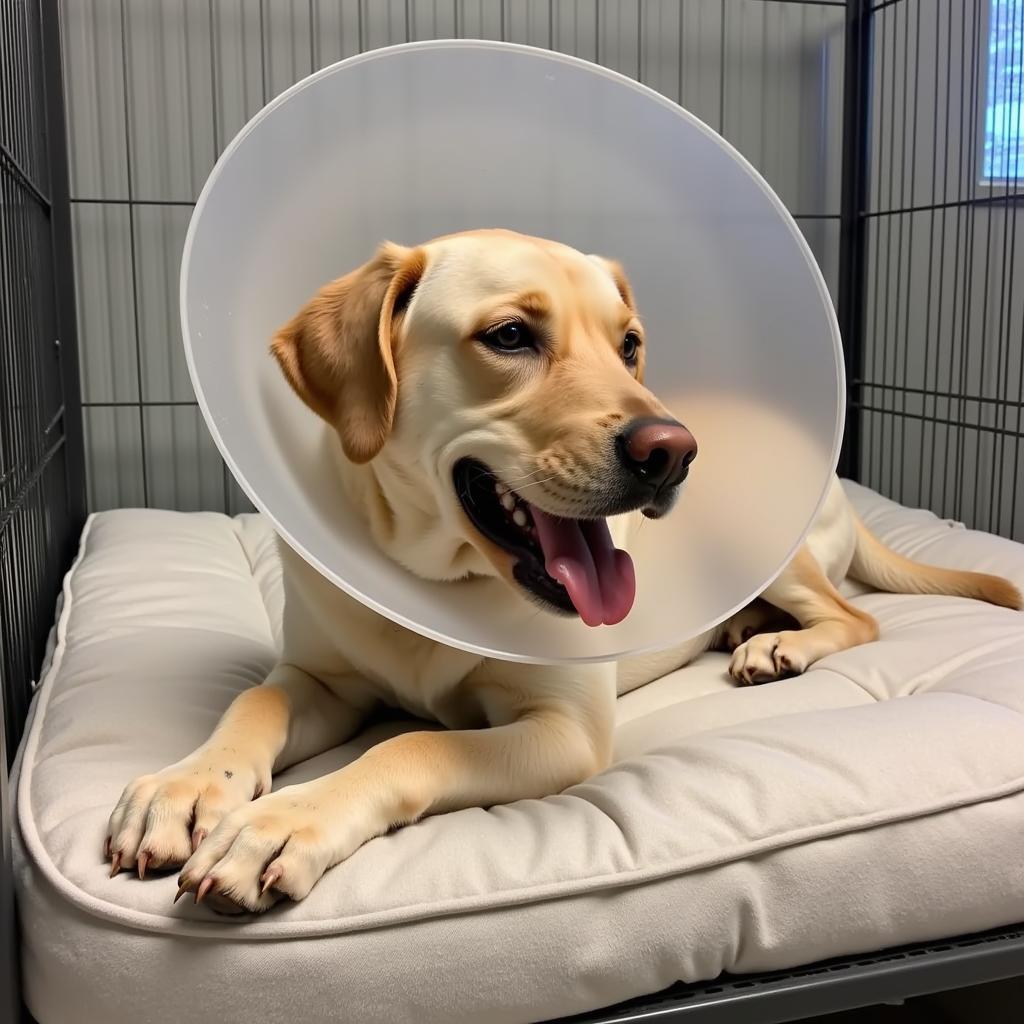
(881,567)
(828,622)
(758,617)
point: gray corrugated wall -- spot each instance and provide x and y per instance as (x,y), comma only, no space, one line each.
(157,88)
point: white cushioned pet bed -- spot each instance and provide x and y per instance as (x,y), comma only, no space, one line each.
(878,799)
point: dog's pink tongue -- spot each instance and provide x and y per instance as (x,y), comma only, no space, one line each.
(598,576)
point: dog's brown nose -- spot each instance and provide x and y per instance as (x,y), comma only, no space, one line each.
(657,452)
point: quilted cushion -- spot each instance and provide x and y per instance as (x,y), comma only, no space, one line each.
(875,800)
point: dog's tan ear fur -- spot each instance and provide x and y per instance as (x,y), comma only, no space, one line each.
(614,270)
(337,352)
(618,275)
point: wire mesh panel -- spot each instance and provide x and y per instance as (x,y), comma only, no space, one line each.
(156,90)
(941,383)
(41,499)
(42,493)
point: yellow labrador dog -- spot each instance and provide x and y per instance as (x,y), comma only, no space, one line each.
(485,396)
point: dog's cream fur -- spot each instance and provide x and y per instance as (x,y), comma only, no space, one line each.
(390,358)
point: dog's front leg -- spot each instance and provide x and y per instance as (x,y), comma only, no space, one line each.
(161,818)
(550,737)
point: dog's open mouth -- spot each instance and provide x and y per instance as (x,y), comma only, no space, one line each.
(570,565)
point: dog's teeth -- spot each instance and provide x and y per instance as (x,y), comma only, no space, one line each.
(508,502)
(519,517)
(500,488)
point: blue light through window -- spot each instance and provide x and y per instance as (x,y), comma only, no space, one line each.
(1004,109)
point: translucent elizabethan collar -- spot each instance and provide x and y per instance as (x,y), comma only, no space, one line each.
(424,139)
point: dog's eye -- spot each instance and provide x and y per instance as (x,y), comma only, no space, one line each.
(630,348)
(509,337)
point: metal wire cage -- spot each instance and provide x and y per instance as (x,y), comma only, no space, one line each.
(934,317)
(928,300)
(42,489)
(42,481)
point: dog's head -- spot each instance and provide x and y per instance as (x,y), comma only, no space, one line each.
(500,378)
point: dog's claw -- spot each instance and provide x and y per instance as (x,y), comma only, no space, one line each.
(204,887)
(115,864)
(182,889)
(142,864)
(197,837)
(270,878)
(106,848)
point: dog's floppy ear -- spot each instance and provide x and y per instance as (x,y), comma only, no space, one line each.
(337,351)
(614,270)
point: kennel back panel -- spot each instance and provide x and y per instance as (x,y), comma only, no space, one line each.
(156,90)
(940,387)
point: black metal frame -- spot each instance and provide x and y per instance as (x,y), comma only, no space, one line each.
(852,233)
(42,489)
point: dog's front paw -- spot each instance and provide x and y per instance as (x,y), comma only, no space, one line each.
(278,846)
(161,819)
(767,657)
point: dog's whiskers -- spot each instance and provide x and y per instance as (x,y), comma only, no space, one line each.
(524,479)
(539,483)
